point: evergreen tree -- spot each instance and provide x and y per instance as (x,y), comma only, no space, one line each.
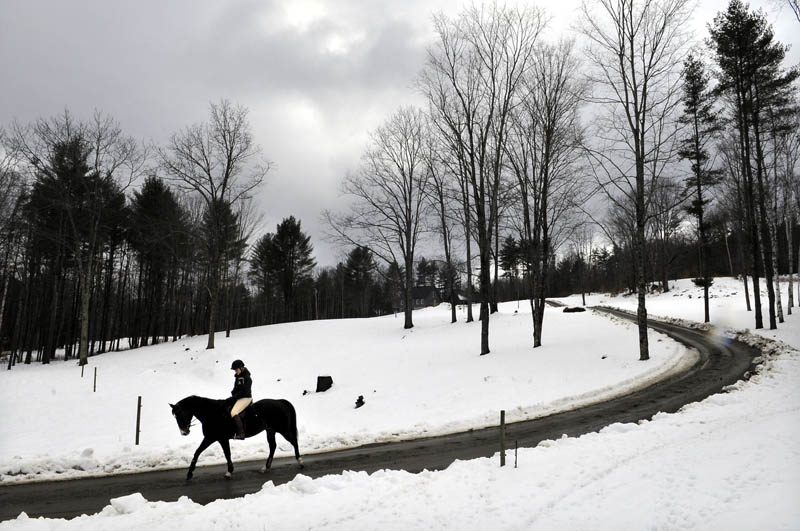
(283,261)
(510,256)
(359,281)
(702,124)
(751,73)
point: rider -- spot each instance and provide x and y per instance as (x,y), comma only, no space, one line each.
(241,393)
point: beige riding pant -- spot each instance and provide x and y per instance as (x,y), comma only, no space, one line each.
(239,406)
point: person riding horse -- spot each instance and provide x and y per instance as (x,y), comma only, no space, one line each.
(241,392)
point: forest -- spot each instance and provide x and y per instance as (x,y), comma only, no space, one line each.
(618,162)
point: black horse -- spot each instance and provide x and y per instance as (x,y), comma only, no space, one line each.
(270,415)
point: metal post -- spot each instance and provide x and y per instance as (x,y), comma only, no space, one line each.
(95,380)
(516,445)
(502,437)
(82,367)
(138,418)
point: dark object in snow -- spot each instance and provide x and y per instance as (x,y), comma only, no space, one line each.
(186,349)
(574,309)
(603,357)
(701,282)
(274,416)
(360,401)
(305,392)
(324,383)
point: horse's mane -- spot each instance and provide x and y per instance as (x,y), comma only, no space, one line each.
(195,400)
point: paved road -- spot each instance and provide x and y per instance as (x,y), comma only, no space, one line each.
(719,366)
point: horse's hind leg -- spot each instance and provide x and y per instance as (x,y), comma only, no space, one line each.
(293,440)
(200,449)
(272,446)
(226,448)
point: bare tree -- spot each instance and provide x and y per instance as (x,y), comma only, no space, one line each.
(441,197)
(636,49)
(12,188)
(112,161)
(471,79)
(794,5)
(736,202)
(665,220)
(542,152)
(389,193)
(787,163)
(582,242)
(220,161)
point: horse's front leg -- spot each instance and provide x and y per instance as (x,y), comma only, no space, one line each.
(200,449)
(272,446)
(226,448)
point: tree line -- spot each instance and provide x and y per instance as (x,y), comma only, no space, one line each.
(611,165)
(534,169)
(108,244)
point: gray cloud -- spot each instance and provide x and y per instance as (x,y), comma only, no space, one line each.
(314,86)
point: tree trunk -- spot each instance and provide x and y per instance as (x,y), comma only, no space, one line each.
(468,236)
(639,253)
(85,283)
(740,242)
(790,255)
(778,303)
(213,296)
(728,248)
(409,306)
(494,308)
(6,282)
(485,289)
(764,224)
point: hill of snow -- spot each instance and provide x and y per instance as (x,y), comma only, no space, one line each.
(423,381)
(729,462)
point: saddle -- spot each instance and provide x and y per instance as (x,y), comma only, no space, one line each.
(248,414)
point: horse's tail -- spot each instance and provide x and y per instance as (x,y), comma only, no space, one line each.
(292,419)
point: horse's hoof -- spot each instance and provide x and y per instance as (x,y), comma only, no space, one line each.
(301,463)
(263,470)
(188,477)
(228,475)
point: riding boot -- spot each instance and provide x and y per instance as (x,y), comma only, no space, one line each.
(239,427)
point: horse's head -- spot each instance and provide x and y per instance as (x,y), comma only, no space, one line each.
(182,417)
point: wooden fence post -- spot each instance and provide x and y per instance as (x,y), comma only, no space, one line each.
(138,418)
(502,437)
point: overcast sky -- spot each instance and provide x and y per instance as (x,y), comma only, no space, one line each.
(316,75)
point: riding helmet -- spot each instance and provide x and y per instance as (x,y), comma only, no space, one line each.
(237,364)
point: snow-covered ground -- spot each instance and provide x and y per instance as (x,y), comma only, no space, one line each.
(423,381)
(727,307)
(731,461)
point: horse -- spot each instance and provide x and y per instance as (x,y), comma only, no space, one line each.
(267,414)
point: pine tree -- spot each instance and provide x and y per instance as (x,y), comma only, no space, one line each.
(750,65)
(702,124)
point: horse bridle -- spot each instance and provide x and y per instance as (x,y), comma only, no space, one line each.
(177,410)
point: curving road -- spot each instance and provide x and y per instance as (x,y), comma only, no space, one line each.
(719,365)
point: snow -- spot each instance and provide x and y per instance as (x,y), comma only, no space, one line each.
(424,381)
(727,307)
(729,462)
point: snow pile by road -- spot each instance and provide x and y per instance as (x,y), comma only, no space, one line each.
(424,381)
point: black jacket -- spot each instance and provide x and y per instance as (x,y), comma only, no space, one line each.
(242,385)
